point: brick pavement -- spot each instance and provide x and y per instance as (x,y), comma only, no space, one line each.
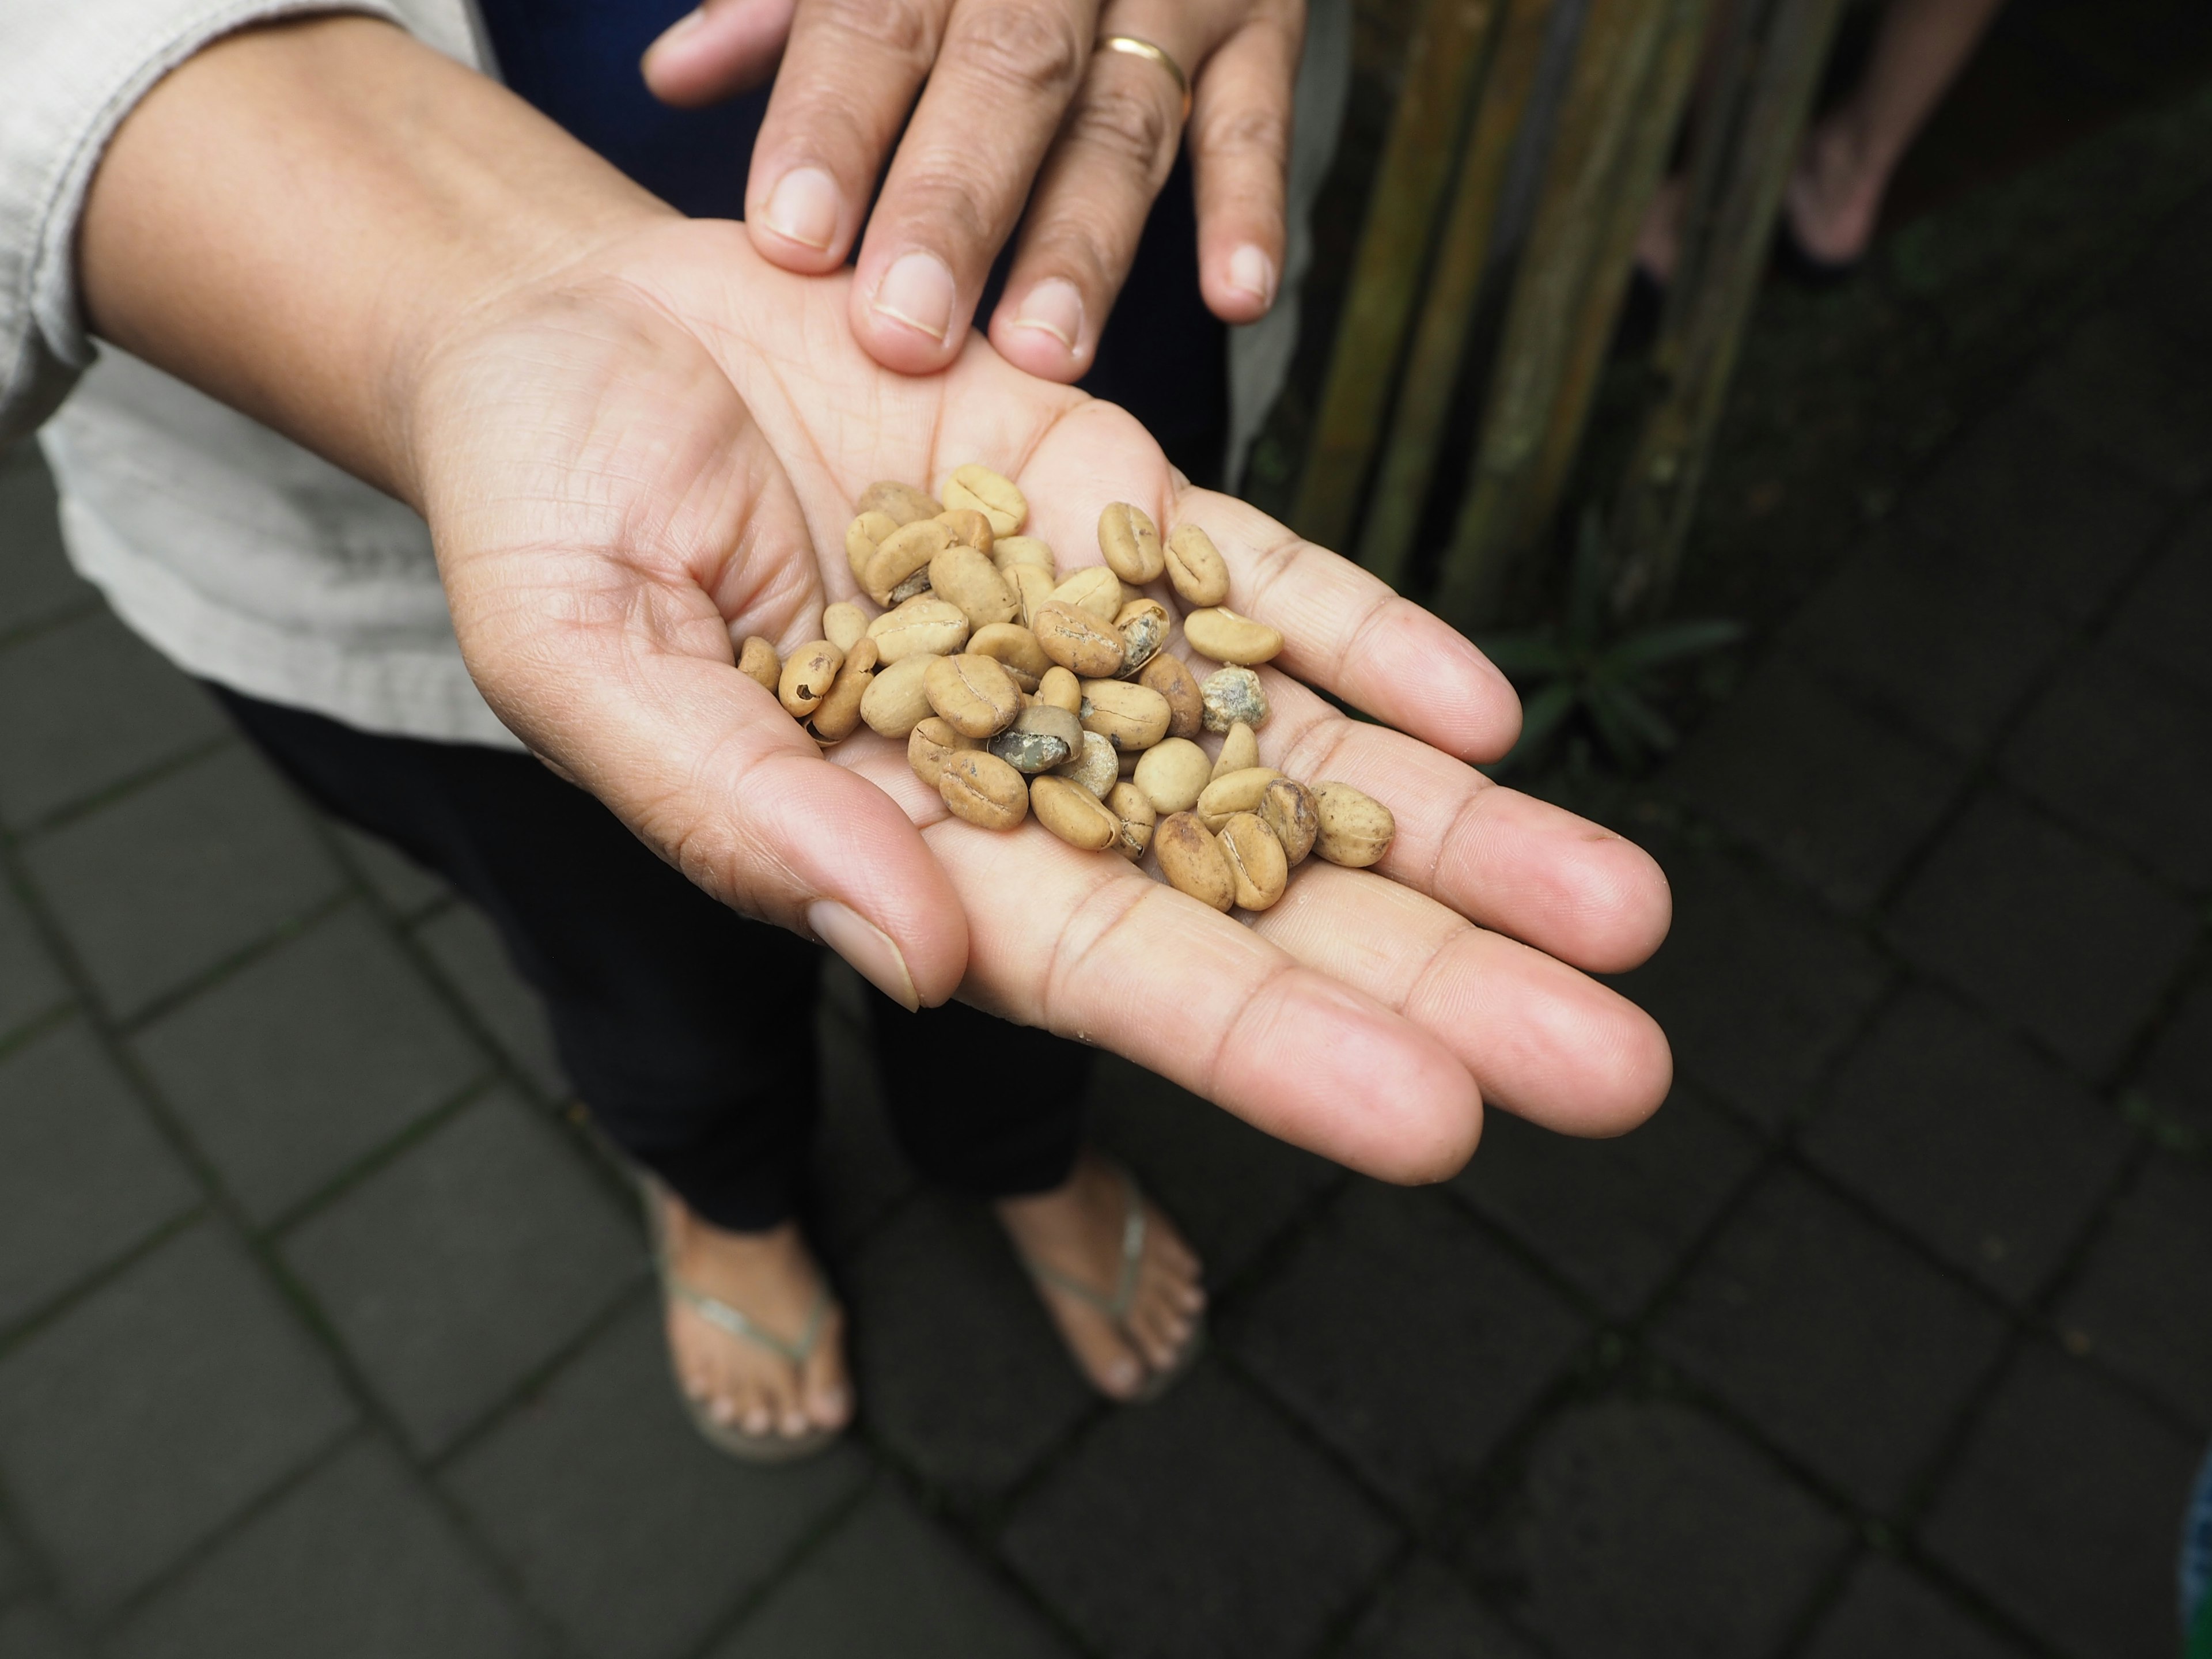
(323,1331)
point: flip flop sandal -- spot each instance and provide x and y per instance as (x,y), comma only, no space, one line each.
(729,1437)
(1117,1306)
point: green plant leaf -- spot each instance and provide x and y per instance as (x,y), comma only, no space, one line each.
(1652,726)
(1526,656)
(1541,717)
(1670,642)
(1619,736)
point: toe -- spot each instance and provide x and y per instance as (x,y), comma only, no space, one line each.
(823,1392)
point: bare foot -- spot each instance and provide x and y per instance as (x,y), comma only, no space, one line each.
(1076,1230)
(1659,238)
(772,1279)
(1834,197)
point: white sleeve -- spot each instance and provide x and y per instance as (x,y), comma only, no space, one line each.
(69,71)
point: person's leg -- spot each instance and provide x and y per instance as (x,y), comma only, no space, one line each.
(1834,198)
(1022,1147)
(687,1030)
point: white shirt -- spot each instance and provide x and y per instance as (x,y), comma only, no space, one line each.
(239,555)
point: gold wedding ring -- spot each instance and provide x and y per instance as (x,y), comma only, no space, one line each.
(1136,47)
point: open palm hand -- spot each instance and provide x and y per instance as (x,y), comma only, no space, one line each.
(629,470)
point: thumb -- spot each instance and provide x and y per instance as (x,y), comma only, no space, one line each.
(724,48)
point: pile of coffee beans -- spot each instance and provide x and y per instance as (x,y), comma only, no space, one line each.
(1023,695)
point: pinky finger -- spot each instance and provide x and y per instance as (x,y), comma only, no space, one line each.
(1240,147)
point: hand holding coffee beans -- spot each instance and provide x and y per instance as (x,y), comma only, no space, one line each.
(1025,693)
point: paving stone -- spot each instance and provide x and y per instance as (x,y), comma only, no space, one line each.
(1836,800)
(1615,1216)
(2171,280)
(633,1533)
(1645,1527)
(464,1265)
(2160,623)
(30,984)
(2064,1510)
(2178,1072)
(1887,1611)
(36,582)
(959,1368)
(1408,1340)
(354,1563)
(158,887)
(1832,1337)
(1426,1613)
(2024,508)
(1231,1188)
(306,1059)
(859,1174)
(83,1175)
(2126,760)
(405,886)
(1916,639)
(2057,939)
(89,705)
(469,953)
(924,1598)
(2140,1298)
(1198,1526)
(17,1571)
(2132,392)
(1755,988)
(33,1630)
(1965,1137)
(137,1422)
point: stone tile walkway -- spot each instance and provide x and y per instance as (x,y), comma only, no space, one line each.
(323,1331)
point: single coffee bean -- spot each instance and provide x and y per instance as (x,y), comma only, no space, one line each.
(1096,766)
(1131,542)
(862,537)
(1196,566)
(805,677)
(1239,751)
(1173,775)
(1143,625)
(1355,828)
(925,625)
(972,694)
(898,701)
(930,745)
(912,588)
(1032,590)
(902,503)
(835,718)
(1016,650)
(1168,674)
(1041,737)
(969,579)
(757,661)
(1192,860)
(1223,635)
(1255,860)
(1127,803)
(1007,551)
(844,622)
(1286,806)
(1095,591)
(1231,792)
(1130,717)
(984,790)
(1074,813)
(1232,695)
(1060,689)
(968,527)
(1077,640)
(902,555)
(996,497)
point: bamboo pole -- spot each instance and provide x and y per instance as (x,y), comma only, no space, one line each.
(1444,66)
(1658,494)
(1434,364)
(1619,39)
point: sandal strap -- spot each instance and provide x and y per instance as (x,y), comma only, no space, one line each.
(1115,1306)
(723,1316)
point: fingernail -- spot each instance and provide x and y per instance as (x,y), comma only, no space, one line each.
(1056,308)
(868,948)
(1251,271)
(917,290)
(803,208)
